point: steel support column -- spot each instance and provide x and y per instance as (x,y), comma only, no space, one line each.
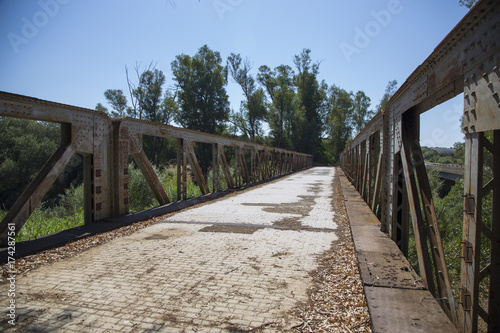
(423,201)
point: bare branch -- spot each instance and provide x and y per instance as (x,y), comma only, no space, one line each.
(131,88)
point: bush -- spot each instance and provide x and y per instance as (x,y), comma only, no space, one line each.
(140,195)
(69,212)
(45,221)
(222,180)
(71,202)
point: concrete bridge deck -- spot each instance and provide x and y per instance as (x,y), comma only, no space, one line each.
(236,264)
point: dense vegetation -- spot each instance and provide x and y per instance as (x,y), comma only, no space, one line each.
(453,155)
(283,106)
(65,211)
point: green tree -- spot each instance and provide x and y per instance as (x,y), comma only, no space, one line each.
(117,100)
(253,110)
(390,90)
(435,182)
(169,107)
(278,84)
(149,95)
(202,98)
(25,146)
(101,108)
(338,121)
(311,95)
(267,78)
(428,153)
(459,154)
(203,101)
(361,115)
(149,102)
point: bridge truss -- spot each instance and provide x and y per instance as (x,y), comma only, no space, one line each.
(386,165)
(106,145)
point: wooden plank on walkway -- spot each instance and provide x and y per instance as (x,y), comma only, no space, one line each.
(404,310)
(395,296)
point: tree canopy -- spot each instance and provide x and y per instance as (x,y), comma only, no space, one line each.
(282,106)
(201,82)
(253,109)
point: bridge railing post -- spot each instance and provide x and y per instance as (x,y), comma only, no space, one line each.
(423,201)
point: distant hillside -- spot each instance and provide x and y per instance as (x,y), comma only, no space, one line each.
(443,150)
(439,155)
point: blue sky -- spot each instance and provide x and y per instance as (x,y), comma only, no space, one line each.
(71,51)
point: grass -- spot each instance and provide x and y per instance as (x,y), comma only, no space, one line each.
(68,213)
(45,222)
(140,195)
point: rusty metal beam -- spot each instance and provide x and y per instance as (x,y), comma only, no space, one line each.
(151,178)
(216,160)
(106,145)
(88,189)
(181,163)
(424,259)
(34,193)
(365,167)
(226,169)
(376,188)
(469,289)
(120,167)
(474,227)
(244,167)
(400,222)
(472,45)
(494,270)
(195,168)
(411,135)
(166,131)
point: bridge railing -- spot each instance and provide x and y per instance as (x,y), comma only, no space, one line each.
(458,166)
(386,165)
(106,145)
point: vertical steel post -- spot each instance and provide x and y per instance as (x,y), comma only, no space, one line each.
(400,215)
(88,189)
(411,134)
(215,167)
(179,168)
(471,234)
(475,229)
(494,296)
